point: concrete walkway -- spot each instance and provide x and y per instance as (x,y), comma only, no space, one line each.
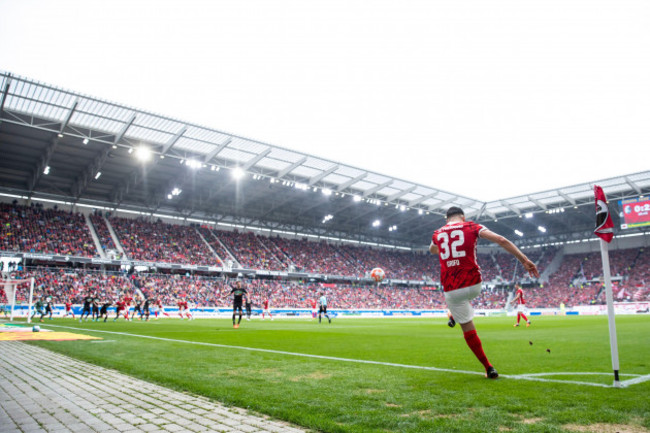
(42,391)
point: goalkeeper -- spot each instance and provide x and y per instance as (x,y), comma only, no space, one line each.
(38,309)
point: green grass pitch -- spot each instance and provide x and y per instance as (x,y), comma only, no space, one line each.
(561,380)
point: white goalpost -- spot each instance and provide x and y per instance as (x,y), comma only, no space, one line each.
(11,287)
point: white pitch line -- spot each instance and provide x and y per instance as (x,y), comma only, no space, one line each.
(531,377)
(635,381)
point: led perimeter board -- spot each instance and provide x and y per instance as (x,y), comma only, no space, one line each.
(634,212)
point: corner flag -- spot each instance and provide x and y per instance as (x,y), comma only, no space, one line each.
(605,231)
(604,225)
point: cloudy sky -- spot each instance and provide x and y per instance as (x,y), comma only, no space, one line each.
(489,99)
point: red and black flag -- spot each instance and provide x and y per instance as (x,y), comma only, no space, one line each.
(604,225)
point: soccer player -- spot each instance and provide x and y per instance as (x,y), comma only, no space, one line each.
(249,305)
(182,308)
(121,308)
(160,308)
(137,308)
(267,310)
(103,311)
(48,308)
(322,309)
(128,300)
(95,306)
(68,309)
(455,245)
(145,310)
(88,300)
(314,308)
(521,305)
(238,291)
(38,308)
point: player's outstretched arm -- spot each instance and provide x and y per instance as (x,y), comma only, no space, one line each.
(512,249)
(433,248)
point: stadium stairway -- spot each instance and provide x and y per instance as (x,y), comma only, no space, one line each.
(93,234)
(207,244)
(116,240)
(553,266)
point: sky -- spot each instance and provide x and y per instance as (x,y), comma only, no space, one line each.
(487,99)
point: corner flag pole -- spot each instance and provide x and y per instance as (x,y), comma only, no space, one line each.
(605,231)
(604,253)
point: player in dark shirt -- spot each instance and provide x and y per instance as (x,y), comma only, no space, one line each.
(249,305)
(48,308)
(145,309)
(103,311)
(95,307)
(137,307)
(238,291)
(88,300)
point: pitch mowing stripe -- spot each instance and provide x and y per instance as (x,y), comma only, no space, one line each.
(531,377)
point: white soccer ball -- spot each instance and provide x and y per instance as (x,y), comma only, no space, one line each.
(377,274)
(36,328)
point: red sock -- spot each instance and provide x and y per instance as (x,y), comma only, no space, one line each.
(518,317)
(524,316)
(474,343)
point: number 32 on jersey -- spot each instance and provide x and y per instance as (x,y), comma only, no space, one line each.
(449,244)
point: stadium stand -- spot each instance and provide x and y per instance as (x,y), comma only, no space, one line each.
(161,242)
(35,229)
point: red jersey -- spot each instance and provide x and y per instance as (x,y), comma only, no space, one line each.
(68,306)
(182,304)
(520,300)
(456,244)
(266,304)
(121,305)
(128,300)
(314,304)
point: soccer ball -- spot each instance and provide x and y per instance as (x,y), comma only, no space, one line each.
(377,274)
(36,328)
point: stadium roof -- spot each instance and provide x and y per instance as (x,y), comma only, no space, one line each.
(62,145)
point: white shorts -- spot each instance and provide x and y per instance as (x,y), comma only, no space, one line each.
(521,308)
(458,302)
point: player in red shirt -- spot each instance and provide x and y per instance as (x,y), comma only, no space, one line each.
(520,302)
(314,308)
(460,275)
(183,308)
(128,300)
(68,309)
(267,310)
(121,307)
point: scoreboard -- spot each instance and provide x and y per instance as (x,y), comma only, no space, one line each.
(634,212)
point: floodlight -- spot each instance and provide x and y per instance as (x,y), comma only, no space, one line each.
(46,170)
(357,198)
(529,215)
(194,164)
(376,223)
(402,208)
(142,153)
(169,196)
(130,150)
(327,191)
(518,233)
(238,173)
(420,212)
(99,173)
(85,141)
(541,229)
(60,135)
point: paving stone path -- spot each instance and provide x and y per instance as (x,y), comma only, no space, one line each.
(43,391)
